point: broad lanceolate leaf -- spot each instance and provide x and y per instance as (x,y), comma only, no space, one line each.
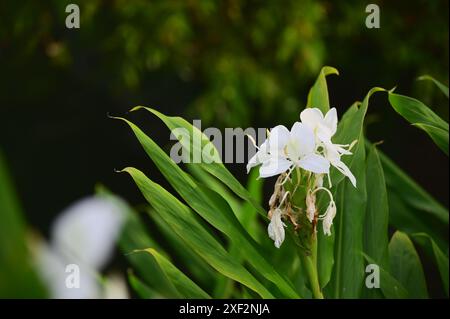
(411,208)
(417,113)
(349,227)
(350,129)
(406,266)
(318,95)
(194,142)
(182,221)
(17,278)
(182,283)
(134,238)
(391,287)
(199,271)
(217,214)
(441,86)
(141,289)
(377,211)
(441,259)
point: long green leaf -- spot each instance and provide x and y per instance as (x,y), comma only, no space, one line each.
(350,128)
(377,213)
(351,207)
(134,237)
(141,289)
(182,283)
(411,208)
(440,85)
(17,277)
(417,113)
(441,259)
(182,221)
(195,142)
(198,270)
(391,287)
(218,215)
(318,94)
(406,266)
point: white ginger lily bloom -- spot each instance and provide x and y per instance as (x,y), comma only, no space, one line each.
(324,128)
(276,228)
(284,150)
(83,235)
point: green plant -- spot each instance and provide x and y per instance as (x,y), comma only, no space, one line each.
(215,229)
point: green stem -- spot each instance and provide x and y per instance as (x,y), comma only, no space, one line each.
(311,272)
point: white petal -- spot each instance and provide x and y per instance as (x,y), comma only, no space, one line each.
(345,170)
(304,139)
(278,138)
(315,163)
(311,117)
(86,232)
(259,158)
(275,166)
(331,120)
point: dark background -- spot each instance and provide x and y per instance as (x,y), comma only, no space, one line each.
(229,63)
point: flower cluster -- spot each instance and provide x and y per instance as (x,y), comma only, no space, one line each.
(308,149)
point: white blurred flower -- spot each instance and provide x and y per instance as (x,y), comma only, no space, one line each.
(84,235)
(115,287)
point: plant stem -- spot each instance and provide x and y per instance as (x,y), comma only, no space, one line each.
(311,271)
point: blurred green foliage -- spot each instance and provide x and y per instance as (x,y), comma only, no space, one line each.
(247,61)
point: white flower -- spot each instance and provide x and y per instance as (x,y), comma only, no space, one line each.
(286,149)
(276,228)
(83,235)
(334,156)
(328,218)
(324,128)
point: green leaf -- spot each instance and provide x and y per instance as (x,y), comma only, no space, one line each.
(142,290)
(182,283)
(182,221)
(17,277)
(391,287)
(350,129)
(441,259)
(411,208)
(417,113)
(441,86)
(349,227)
(438,135)
(200,271)
(217,214)
(318,94)
(135,238)
(195,142)
(406,266)
(377,212)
